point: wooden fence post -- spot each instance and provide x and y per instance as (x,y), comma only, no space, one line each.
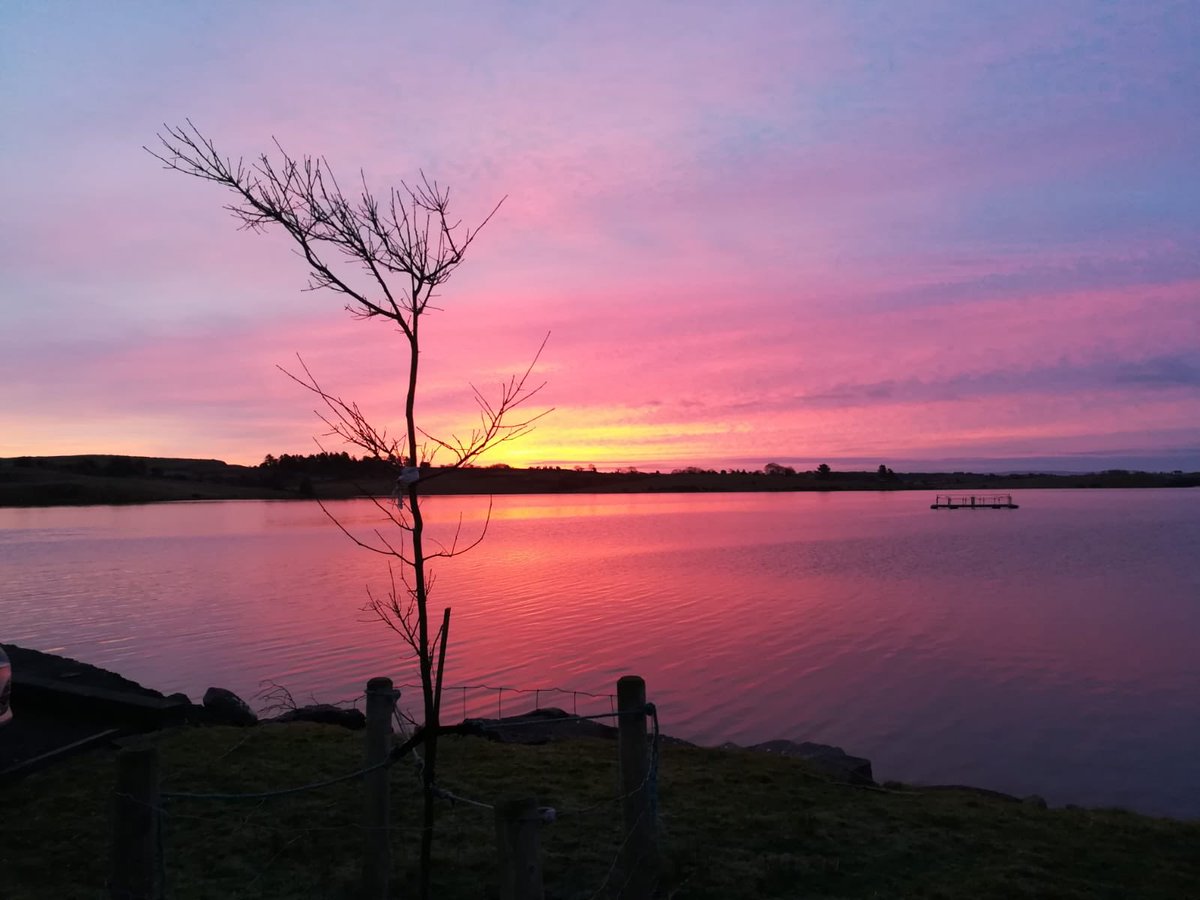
(137,854)
(519,845)
(639,858)
(377,859)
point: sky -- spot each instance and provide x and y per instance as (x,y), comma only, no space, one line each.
(936,235)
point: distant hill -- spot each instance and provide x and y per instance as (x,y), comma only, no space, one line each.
(94,462)
(98,478)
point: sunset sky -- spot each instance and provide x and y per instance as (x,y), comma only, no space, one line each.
(958,234)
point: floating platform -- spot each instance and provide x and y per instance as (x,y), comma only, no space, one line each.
(973,501)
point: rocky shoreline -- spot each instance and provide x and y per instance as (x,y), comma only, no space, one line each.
(62,705)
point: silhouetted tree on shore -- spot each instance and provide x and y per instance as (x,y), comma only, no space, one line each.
(386,256)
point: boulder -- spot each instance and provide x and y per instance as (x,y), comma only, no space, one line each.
(191,713)
(224,707)
(326,714)
(834,760)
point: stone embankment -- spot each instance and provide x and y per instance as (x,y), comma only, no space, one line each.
(63,706)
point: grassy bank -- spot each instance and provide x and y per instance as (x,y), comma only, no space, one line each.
(734,824)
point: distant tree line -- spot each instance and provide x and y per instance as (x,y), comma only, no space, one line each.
(300,474)
(327,465)
(823,471)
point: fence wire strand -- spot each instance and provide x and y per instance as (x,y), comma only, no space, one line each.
(167,811)
(500,690)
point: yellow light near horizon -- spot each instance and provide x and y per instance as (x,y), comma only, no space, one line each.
(606,437)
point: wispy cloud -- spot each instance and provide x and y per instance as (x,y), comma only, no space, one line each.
(785,229)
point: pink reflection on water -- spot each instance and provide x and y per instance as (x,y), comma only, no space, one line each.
(1047,649)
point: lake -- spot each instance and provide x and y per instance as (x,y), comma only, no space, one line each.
(1050,649)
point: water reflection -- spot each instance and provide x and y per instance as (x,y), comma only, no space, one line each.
(1044,650)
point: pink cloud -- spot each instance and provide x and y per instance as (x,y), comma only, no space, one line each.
(818,231)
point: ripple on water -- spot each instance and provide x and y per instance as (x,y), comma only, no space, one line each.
(1046,650)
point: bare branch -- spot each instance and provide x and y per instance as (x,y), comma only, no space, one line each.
(386,550)
(415,239)
(386,259)
(495,425)
(454,549)
(348,421)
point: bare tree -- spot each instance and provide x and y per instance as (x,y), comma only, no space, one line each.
(387,257)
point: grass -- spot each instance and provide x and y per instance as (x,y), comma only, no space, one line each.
(733,823)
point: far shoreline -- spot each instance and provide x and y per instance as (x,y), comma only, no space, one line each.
(99,480)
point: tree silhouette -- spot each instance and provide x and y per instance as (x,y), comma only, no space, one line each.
(386,256)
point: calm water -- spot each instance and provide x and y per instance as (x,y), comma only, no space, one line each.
(1050,650)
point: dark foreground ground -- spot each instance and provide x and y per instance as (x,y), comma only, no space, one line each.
(733,823)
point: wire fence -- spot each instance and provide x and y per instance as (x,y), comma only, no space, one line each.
(476,699)
(154,824)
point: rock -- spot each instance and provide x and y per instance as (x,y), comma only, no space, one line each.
(191,713)
(544,725)
(224,707)
(834,760)
(967,789)
(64,669)
(538,726)
(1034,800)
(326,714)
